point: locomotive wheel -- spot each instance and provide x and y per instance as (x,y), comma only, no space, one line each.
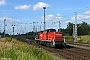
(64,44)
(47,44)
(51,44)
(40,42)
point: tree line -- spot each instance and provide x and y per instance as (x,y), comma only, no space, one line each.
(82,29)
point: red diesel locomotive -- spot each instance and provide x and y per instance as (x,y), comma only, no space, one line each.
(50,38)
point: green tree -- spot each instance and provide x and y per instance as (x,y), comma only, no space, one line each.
(84,29)
(69,28)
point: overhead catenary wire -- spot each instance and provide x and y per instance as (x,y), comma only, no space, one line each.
(68,16)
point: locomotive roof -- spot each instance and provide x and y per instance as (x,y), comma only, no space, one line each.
(40,31)
(50,29)
(46,30)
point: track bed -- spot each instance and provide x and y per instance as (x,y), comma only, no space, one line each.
(69,53)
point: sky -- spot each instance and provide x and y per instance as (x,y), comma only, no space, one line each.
(26,14)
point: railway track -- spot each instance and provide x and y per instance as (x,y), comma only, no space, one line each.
(69,53)
(81,44)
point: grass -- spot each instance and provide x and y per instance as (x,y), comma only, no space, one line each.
(81,39)
(12,49)
(69,38)
(84,39)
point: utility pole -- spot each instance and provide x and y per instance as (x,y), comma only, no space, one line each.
(34,28)
(41,26)
(44,18)
(75,27)
(0,28)
(30,27)
(13,26)
(4,27)
(73,31)
(59,26)
(38,26)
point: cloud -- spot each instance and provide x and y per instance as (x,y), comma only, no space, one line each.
(2,2)
(7,19)
(87,12)
(23,7)
(58,14)
(40,5)
(81,17)
(84,17)
(67,21)
(52,18)
(52,21)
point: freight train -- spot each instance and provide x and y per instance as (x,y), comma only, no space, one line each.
(50,38)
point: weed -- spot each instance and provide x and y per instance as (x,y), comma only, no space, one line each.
(22,51)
